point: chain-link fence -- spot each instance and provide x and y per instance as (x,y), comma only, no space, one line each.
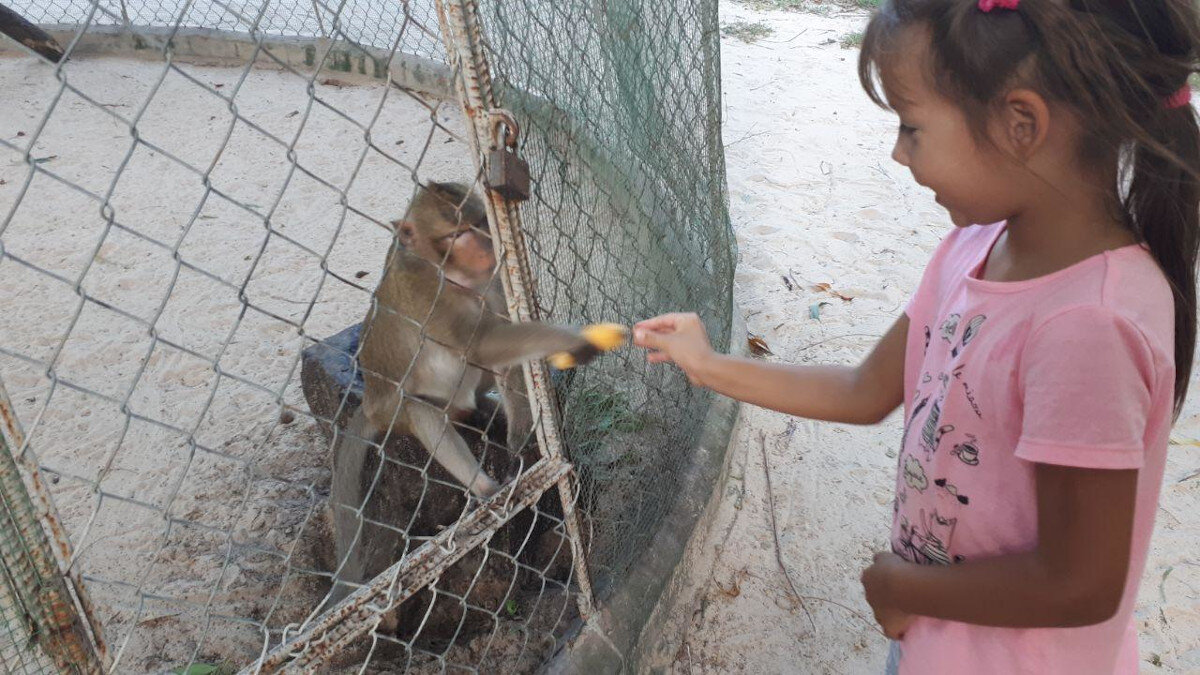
(195,211)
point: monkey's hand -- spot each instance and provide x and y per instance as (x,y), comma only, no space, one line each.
(600,337)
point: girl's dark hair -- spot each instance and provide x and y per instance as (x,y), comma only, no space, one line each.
(1114,62)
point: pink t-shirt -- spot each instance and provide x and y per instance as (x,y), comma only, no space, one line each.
(1075,368)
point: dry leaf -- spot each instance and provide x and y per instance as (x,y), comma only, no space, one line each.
(828,288)
(788,282)
(758,346)
(333,82)
(360,274)
(734,590)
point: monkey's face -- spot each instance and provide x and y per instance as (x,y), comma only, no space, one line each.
(469,256)
(461,249)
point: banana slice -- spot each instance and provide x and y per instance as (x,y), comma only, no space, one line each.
(601,337)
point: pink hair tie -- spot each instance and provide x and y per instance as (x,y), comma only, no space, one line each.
(989,5)
(1180,98)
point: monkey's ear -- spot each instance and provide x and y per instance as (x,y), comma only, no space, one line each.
(405,231)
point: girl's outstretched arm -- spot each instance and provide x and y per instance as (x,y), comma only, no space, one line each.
(1075,577)
(857,395)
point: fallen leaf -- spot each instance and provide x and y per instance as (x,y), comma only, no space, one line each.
(292,114)
(828,288)
(788,282)
(20,134)
(814,310)
(218,85)
(3,182)
(333,82)
(734,590)
(758,346)
(360,274)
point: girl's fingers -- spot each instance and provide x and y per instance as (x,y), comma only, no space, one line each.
(658,357)
(663,322)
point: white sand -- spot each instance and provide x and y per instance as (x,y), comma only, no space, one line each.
(814,195)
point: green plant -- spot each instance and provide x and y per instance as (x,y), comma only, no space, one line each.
(747,31)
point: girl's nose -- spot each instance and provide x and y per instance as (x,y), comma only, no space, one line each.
(900,153)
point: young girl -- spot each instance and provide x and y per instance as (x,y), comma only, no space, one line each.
(1043,357)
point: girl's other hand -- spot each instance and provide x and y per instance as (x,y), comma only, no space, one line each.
(875,580)
(676,338)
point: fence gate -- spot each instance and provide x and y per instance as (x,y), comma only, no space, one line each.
(196,204)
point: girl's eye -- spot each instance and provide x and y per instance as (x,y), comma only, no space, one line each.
(907,130)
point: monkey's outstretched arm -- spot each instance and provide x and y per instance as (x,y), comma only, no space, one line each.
(508,344)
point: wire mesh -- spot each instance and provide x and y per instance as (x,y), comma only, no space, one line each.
(183,245)
(621,106)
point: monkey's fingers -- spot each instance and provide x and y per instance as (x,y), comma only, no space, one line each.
(601,337)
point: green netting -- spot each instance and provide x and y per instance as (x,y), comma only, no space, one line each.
(621,106)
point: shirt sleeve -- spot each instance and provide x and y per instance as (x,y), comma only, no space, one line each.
(1087,379)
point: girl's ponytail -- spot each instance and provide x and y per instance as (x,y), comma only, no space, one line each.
(1163,204)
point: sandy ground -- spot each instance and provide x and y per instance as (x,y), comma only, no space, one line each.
(816,199)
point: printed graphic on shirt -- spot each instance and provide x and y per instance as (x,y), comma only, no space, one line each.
(950,327)
(967,451)
(928,541)
(914,474)
(952,489)
(969,333)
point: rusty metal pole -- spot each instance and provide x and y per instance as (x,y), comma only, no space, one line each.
(58,623)
(459,20)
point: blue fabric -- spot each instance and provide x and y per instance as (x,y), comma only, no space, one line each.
(893,660)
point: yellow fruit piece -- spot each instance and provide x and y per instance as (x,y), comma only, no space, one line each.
(562,361)
(605,336)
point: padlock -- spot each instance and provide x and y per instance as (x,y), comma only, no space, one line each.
(507,173)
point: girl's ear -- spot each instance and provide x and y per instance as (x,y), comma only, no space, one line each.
(1025,122)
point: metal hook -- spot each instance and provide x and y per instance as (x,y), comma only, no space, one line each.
(501,117)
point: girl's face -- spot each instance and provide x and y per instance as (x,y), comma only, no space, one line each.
(971,180)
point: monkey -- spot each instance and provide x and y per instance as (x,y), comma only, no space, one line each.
(436,329)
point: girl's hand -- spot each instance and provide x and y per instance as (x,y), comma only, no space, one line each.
(678,338)
(876,579)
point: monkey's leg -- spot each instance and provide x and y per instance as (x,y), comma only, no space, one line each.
(362,549)
(448,448)
(515,399)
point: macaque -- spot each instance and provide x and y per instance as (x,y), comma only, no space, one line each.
(436,337)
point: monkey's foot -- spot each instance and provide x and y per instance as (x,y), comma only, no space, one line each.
(601,337)
(483,487)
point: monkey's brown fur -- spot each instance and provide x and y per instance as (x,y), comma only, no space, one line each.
(436,330)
